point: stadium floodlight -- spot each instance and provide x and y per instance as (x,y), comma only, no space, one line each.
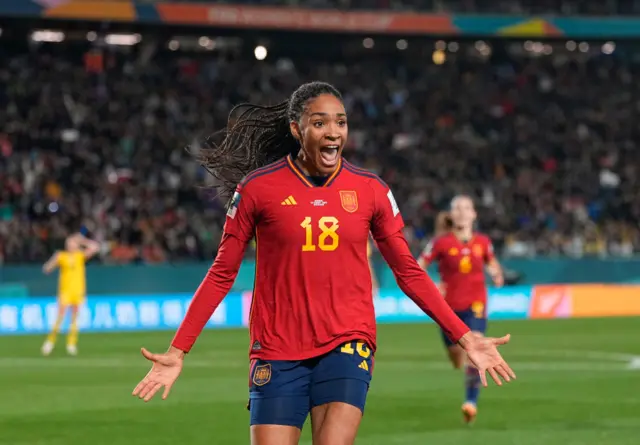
(608,48)
(122,39)
(260,52)
(47,35)
(92,36)
(439,57)
(174,45)
(368,43)
(402,44)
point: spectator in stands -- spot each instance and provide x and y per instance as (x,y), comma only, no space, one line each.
(547,146)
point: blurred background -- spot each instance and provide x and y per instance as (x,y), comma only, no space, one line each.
(531,107)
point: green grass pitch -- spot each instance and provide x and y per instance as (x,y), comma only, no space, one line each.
(578,384)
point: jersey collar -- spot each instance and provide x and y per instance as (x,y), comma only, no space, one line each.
(302,177)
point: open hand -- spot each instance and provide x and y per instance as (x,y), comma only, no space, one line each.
(164,372)
(483,354)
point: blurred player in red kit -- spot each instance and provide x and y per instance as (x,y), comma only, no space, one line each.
(461,255)
(312,322)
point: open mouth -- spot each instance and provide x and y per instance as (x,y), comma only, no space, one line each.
(329,155)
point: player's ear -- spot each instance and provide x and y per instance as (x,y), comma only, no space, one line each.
(295,130)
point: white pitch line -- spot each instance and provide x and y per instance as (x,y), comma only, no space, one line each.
(634,363)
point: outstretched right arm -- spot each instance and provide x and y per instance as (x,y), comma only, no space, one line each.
(239,228)
(212,290)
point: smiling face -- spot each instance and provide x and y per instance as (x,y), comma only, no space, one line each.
(322,132)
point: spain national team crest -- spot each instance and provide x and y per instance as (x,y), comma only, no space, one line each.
(349,200)
(478,309)
(477,250)
(262,374)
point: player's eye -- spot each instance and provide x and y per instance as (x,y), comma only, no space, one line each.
(342,123)
(318,124)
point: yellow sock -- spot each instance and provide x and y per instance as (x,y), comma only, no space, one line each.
(72,338)
(51,338)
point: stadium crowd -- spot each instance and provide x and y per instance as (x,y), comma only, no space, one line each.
(547,147)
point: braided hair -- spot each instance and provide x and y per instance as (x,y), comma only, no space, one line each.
(257,137)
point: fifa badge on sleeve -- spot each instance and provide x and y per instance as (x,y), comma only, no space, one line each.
(233,206)
(394,204)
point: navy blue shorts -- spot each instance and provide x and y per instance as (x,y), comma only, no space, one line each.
(283,392)
(476,320)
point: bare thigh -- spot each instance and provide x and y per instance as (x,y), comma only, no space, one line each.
(274,435)
(335,423)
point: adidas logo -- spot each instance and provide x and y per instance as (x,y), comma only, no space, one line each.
(364,365)
(290,201)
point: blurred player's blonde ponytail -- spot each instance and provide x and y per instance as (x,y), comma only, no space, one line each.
(443,224)
(256,136)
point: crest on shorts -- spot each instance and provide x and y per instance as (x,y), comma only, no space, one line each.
(477,250)
(478,309)
(349,200)
(453,251)
(262,374)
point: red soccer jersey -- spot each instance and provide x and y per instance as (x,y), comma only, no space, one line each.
(312,288)
(313,285)
(461,266)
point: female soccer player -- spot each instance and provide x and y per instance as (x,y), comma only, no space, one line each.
(71,287)
(312,323)
(461,255)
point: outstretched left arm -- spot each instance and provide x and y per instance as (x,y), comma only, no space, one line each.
(415,282)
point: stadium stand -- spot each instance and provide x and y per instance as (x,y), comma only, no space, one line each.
(547,144)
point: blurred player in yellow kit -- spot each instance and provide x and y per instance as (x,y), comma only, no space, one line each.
(71,286)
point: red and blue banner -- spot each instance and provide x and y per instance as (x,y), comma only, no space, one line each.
(286,18)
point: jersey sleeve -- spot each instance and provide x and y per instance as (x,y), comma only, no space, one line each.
(241,215)
(417,285)
(387,219)
(214,287)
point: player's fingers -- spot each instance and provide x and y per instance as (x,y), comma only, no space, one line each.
(508,369)
(494,376)
(139,387)
(149,355)
(502,340)
(167,390)
(142,388)
(152,392)
(501,370)
(483,377)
